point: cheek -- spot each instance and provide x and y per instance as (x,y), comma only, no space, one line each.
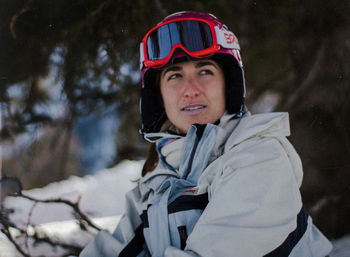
(219,99)
(217,93)
(169,100)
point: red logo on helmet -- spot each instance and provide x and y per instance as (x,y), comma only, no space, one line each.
(230,39)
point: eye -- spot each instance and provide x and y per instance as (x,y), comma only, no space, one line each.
(206,72)
(174,76)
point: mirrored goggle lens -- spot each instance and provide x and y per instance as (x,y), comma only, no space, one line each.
(193,35)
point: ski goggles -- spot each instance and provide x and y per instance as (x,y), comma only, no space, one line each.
(199,38)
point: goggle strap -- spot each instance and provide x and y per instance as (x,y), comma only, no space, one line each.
(142,56)
(226,38)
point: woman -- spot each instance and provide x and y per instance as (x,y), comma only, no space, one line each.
(218,181)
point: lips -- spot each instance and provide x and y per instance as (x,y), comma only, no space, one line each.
(194,109)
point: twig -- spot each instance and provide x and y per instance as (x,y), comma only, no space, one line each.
(8,234)
(6,223)
(29,223)
(14,18)
(38,239)
(74,206)
(46,239)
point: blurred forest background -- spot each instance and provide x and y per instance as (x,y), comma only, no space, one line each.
(69,78)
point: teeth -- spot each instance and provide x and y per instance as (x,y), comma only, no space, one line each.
(193,108)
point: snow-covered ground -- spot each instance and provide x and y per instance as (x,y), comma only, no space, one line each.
(62,231)
(101,197)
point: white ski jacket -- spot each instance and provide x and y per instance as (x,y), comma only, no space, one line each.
(235,193)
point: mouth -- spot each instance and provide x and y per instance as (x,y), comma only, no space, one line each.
(194,108)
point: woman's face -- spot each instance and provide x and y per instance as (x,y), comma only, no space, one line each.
(193,92)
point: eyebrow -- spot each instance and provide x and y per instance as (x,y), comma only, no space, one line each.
(204,63)
(198,65)
(172,68)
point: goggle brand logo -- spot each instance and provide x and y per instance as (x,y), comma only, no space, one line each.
(230,39)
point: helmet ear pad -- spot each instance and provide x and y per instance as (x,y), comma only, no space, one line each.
(234,81)
(152,108)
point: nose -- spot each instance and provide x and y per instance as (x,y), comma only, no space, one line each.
(191,88)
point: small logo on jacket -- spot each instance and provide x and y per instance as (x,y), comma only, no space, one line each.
(191,191)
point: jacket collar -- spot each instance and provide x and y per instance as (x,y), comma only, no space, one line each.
(229,133)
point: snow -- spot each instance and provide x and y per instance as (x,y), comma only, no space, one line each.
(63,231)
(101,197)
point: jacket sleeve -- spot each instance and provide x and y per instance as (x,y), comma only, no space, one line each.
(126,240)
(253,205)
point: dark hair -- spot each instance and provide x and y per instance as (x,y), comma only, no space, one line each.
(151,160)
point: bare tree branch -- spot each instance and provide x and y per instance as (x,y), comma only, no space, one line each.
(6,224)
(14,18)
(8,234)
(74,206)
